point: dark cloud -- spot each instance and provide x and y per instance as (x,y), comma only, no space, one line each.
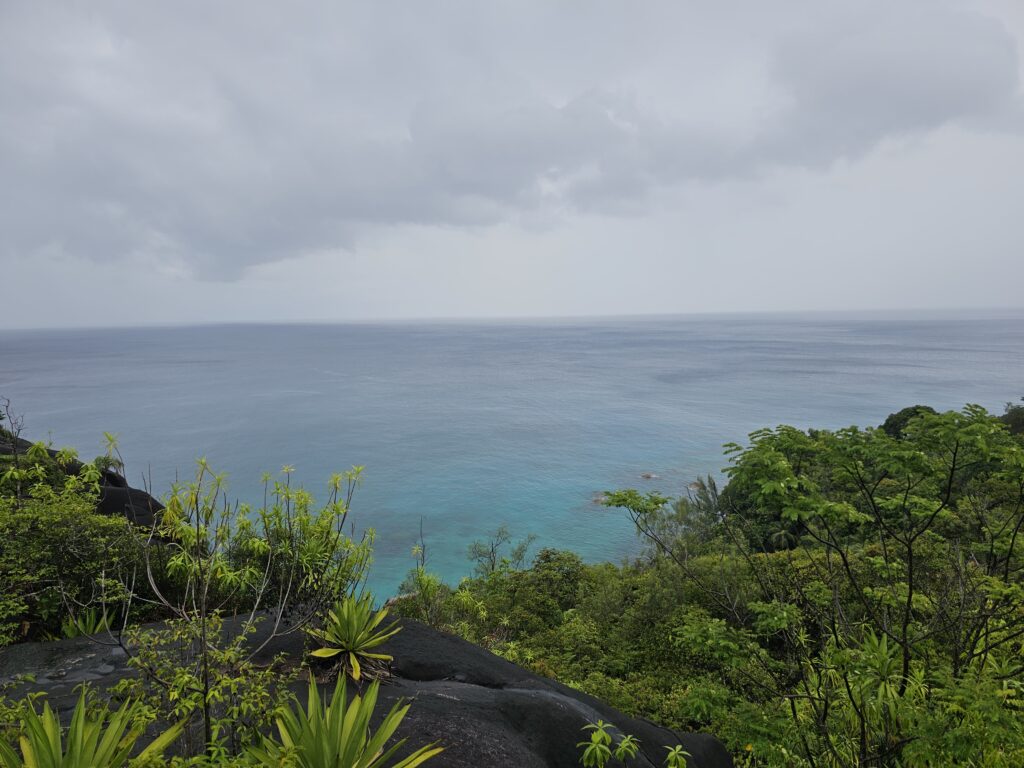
(217,137)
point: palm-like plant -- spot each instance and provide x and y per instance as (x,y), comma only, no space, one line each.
(96,738)
(337,735)
(352,630)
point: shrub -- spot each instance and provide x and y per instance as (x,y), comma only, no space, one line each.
(57,553)
(214,683)
(896,423)
(338,735)
(601,747)
(351,631)
(281,564)
(1013,418)
(97,737)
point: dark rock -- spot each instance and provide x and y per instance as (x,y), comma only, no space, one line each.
(486,711)
(493,697)
(116,496)
(138,506)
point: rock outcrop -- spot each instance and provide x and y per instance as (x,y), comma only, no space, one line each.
(116,496)
(485,710)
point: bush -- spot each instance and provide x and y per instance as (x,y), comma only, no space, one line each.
(1013,418)
(352,631)
(57,557)
(896,423)
(338,735)
(96,737)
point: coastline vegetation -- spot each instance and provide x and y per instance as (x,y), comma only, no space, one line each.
(849,598)
(846,598)
(193,601)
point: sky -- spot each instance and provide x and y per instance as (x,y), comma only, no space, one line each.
(328,161)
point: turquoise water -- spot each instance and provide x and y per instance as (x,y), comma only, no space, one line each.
(470,426)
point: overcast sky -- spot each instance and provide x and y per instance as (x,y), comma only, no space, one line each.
(323,160)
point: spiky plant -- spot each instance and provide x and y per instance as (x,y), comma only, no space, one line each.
(97,737)
(90,621)
(337,735)
(352,631)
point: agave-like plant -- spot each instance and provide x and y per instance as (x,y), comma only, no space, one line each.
(96,738)
(337,735)
(88,622)
(351,630)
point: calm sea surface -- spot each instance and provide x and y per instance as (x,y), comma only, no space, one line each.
(470,426)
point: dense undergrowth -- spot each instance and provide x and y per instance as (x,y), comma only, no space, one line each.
(848,598)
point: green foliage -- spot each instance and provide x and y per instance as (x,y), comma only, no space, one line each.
(899,579)
(597,750)
(21,470)
(422,594)
(61,563)
(56,552)
(338,735)
(96,737)
(11,709)
(488,556)
(296,550)
(351,631)
(216,683)
(497,608)
(637,503)
(676,757)
(285,554)
(895,423)
(1013,418)
(426,598)
(600,748)
(627,748)
(287,559)
(849,598)
(88,621)
(226,578)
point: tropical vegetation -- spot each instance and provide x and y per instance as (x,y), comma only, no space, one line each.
(848,598)
(351,631)
(338,734)
(836,598)
(194,601)
(96,737)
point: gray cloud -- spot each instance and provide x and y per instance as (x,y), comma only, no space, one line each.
(887,70)
(211,139)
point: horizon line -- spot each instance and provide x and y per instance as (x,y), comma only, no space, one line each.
(528,319)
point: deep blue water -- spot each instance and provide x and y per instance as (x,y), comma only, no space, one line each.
(470,426)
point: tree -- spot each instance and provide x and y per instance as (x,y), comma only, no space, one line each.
(487,555)
(895,423)
(1013,418)
(898,612)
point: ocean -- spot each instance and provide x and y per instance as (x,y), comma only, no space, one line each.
(469,426)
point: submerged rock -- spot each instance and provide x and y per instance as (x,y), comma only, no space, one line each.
(485,710)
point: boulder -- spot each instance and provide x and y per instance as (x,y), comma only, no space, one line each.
(486,711)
